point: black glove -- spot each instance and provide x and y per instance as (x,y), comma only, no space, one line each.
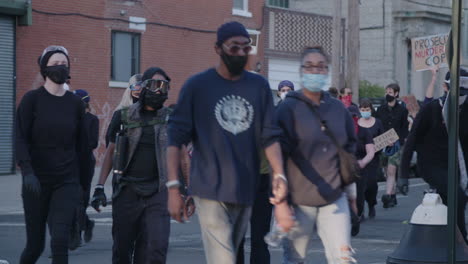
(30,181)
(99,198)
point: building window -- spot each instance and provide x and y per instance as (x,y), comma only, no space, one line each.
(241,8)
(125,56)
(279,3)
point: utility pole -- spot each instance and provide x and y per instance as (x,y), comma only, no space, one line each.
(453,125)
(352,65)
(336,45)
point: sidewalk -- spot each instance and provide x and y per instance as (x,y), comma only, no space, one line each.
(10,192)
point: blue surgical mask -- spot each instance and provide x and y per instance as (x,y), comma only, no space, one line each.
(366,115)
(314,82)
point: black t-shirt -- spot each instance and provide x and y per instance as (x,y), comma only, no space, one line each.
(364,137)
(142,172)
(49,132)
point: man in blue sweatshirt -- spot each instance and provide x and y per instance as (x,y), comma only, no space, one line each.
(227,113)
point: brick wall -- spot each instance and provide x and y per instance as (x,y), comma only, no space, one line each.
(181,53)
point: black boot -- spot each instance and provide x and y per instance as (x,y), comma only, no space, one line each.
(88,232)
(394,200)
(371,212)
(355,224)
(387,201)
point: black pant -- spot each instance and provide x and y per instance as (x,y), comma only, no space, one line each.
(367,188)
(56,204)
(86,177)
(141,227)
(259,225)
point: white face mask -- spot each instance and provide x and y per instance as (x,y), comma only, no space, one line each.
(283,95)
(66,87)
(314,82)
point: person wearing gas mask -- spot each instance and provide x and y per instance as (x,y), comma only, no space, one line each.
(393,115)
(49,137)
(227,113)
(141,222)
(429,138)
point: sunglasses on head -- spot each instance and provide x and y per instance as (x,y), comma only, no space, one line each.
(55,48)
(157,86)
(235,48)
(136,86)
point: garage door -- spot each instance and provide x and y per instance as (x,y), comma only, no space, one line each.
(7,92)
(283,69)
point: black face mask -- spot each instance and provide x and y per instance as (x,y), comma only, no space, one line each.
(59,74)
(154,100)
(389,98)
(235,64)
(135,99)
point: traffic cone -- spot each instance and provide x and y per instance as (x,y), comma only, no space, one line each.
(426,240)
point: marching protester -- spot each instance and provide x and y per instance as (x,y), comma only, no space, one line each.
(429,138)
(129,97)
(365,151)
(260,219)
(392,115)
(141,223)
(284,87)
(91,126)
(316,127)
(346,96)
(227,113)
(49,136)
(367,185)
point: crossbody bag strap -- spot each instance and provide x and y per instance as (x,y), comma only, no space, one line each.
(324,127)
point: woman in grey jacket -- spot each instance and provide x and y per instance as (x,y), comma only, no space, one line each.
(315,184)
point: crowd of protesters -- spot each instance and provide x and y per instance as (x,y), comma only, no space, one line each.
(227,152)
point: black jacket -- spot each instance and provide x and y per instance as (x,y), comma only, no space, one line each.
(394,117)
(429,138)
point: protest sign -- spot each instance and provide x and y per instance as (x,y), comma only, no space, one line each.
(385,139)
(429,51)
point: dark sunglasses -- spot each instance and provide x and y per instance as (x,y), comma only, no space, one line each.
(157,85)
(234,49)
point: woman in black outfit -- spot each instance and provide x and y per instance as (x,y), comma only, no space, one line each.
(48,136)
(368,182)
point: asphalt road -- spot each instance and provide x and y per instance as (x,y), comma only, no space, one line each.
(377,239)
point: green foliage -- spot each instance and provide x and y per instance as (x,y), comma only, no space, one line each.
(369,90)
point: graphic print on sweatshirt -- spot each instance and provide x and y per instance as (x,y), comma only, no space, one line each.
(234,114)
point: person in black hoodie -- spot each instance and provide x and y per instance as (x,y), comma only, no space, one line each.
(91,125)
(429,138)
(49,136)
(316,189)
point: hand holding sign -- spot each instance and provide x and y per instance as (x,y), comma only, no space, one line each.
(386,139)
(429,51)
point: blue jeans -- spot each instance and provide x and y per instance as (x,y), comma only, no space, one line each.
(223,225)
(333,227)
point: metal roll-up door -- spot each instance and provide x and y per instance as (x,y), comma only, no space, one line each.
(7,92)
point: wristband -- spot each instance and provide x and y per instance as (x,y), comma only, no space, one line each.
(281,176)
(99,186)
(173,183)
